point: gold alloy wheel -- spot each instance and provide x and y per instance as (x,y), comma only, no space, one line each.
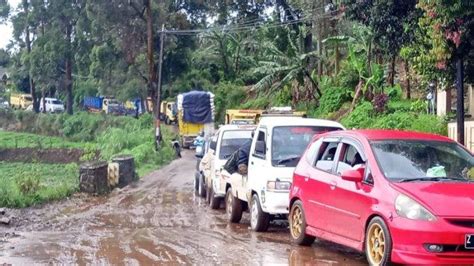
(376,244)
(296,222)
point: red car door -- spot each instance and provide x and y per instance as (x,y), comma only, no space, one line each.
(319,184)
(349,202)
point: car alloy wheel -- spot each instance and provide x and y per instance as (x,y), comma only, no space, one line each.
(296,223)
(378,242)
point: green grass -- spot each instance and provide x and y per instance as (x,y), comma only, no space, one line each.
(24,184)
(26,140)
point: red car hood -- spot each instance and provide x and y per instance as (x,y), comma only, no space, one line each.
(443,199)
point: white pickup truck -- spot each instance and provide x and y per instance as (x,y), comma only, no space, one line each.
(277,146)
(226,141)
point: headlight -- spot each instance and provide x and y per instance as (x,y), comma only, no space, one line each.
(278,185)
(410,209)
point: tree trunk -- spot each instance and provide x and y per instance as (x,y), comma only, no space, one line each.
(407,73)
(460,99)
(357,94)
(69,98)
(337,60)
(43,99)
(28,49)
(392,70)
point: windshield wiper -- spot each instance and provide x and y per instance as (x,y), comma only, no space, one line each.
(431,179)
(287,160)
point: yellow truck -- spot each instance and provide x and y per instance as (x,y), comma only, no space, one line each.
(20,101)
(195,115)
(168,112)
(242,117)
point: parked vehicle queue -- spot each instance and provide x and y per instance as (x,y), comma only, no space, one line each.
(403,197)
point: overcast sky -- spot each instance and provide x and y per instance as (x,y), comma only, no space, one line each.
(6,29)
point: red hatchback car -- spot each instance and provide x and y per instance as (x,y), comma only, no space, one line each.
(404,197)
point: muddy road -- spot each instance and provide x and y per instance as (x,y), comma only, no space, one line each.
(158,220)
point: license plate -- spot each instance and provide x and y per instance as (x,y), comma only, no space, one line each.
(469,243)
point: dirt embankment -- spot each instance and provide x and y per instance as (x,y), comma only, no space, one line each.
(36,155)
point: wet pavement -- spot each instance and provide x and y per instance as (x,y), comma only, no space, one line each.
(157,220)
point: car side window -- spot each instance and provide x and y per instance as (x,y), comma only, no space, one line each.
(325,158)
(259,150)
(313,152)
(350,159)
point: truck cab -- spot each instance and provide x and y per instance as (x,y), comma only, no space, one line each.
(242,117)
(227,140)
(277,146)
(168,111)
(20,101)
(111,106)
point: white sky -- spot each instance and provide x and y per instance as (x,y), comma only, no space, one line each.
(7,29)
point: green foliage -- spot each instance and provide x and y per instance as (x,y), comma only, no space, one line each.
(23,185)
(257,103)
(332,100)
(395,93)
(360,117)
(400,115)
(227,96)
(419,106)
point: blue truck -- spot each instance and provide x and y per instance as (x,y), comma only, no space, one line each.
(103,104)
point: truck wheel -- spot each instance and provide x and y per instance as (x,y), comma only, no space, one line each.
(167,121)
(233,207)
(196,182)
(259,220)
(297,221)
(214,202)
(202,186)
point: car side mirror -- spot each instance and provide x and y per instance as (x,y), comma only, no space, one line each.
(260,147)
(356,175)
(213,145)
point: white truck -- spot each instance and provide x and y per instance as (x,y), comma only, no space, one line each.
(51,105)
(225,142)
(276,148)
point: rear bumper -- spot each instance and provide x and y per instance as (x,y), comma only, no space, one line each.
(410,238)
(188,140)
(275,202)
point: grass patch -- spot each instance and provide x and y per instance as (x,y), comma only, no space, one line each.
(24,184)
(27,140)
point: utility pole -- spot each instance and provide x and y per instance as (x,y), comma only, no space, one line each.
(460,99)
(158,93)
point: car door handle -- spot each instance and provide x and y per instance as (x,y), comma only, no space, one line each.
(333,185)
(306,179)
(251,163)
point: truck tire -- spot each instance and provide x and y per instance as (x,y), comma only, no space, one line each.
(202,186)
(259,220)
(233,207)
(196,182)
(214,202)
(167,120)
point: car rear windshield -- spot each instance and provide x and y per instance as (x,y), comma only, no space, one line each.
(232,141)
(289,143)
(405,160)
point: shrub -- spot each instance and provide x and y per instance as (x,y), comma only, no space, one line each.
(380,102)
(332,99)
(395,93)
(360,117)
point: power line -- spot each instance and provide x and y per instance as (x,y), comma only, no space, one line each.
(238,27)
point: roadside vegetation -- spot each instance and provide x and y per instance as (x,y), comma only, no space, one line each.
(25,184)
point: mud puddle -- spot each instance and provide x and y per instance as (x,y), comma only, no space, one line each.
(156,221)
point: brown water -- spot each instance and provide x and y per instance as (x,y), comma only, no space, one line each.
(156,221)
